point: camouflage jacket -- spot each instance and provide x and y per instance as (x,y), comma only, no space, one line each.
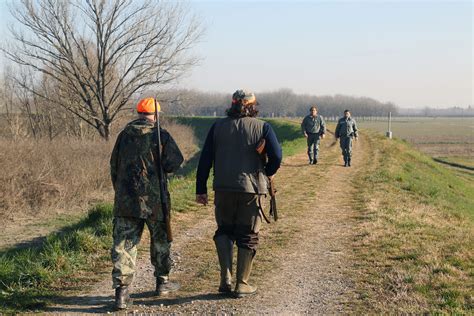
(346,127)
(133,170)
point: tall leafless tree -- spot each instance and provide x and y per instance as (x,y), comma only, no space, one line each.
(101,53)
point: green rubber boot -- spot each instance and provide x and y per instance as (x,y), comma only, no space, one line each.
(244,268)
(224,246)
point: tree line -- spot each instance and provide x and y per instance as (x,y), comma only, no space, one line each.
(279,103)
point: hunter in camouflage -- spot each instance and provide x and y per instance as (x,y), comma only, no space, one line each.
(137,200)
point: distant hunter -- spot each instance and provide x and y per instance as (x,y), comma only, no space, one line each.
(314,129)
(346,129)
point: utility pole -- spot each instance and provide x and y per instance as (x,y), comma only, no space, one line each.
(389,133)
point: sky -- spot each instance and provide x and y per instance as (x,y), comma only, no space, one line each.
(412,53)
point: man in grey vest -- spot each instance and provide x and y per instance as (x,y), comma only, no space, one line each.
(346,129)
(313,128)
(240,180)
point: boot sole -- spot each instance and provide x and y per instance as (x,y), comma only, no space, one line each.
(121,308)
(242,295)
(163,293)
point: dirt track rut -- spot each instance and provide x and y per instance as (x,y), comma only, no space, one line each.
(309,272)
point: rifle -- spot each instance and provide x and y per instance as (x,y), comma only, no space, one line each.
(271,184)
(165,205)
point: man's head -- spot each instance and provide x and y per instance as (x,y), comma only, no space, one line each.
(313,110)
(347,113)
(146,108)
(244,103)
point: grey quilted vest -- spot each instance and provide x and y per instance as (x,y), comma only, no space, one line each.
(237,165)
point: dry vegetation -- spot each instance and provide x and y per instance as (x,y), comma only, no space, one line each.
(437,137)
(41,179)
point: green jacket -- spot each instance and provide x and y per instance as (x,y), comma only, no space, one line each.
(346,127)
(134,172)
(313,125)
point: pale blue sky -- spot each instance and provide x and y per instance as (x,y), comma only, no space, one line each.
(413,53)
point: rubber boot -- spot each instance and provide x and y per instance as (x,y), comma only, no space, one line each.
(244,267)
(348,161)
(224,247)
(122,298)
(165,286)
(345,161)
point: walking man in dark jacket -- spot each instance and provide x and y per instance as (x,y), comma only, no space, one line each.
(346,129)
(240,181)
(313,128)
(138,202)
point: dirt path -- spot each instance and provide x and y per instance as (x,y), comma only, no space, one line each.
(301,267)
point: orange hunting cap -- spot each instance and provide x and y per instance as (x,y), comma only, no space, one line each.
(147,106)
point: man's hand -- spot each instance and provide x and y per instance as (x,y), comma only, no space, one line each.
(201,199)
(270,178)
(323,135)
(305,135)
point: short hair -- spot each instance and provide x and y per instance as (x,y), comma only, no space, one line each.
(313,107)
(345,111)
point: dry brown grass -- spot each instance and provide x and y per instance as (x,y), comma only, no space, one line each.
(38,176)
(40,179)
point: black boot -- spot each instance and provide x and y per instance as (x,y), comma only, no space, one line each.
(122,298)
(349,161)
(345,161)
(165,286)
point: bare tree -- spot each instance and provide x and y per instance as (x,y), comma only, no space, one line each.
(101,53)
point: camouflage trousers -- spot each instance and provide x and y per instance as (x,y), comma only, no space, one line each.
(313,146)
(238,217)
(127,233)
(346,147)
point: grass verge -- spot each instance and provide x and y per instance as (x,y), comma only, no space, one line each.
(414,253)
(30,276)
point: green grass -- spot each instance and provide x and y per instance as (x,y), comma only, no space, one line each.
(288,133)
(432,183)
(421,232)
(31,277)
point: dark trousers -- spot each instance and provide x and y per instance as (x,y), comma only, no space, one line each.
(313,146)
(346,147)
(238,217)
